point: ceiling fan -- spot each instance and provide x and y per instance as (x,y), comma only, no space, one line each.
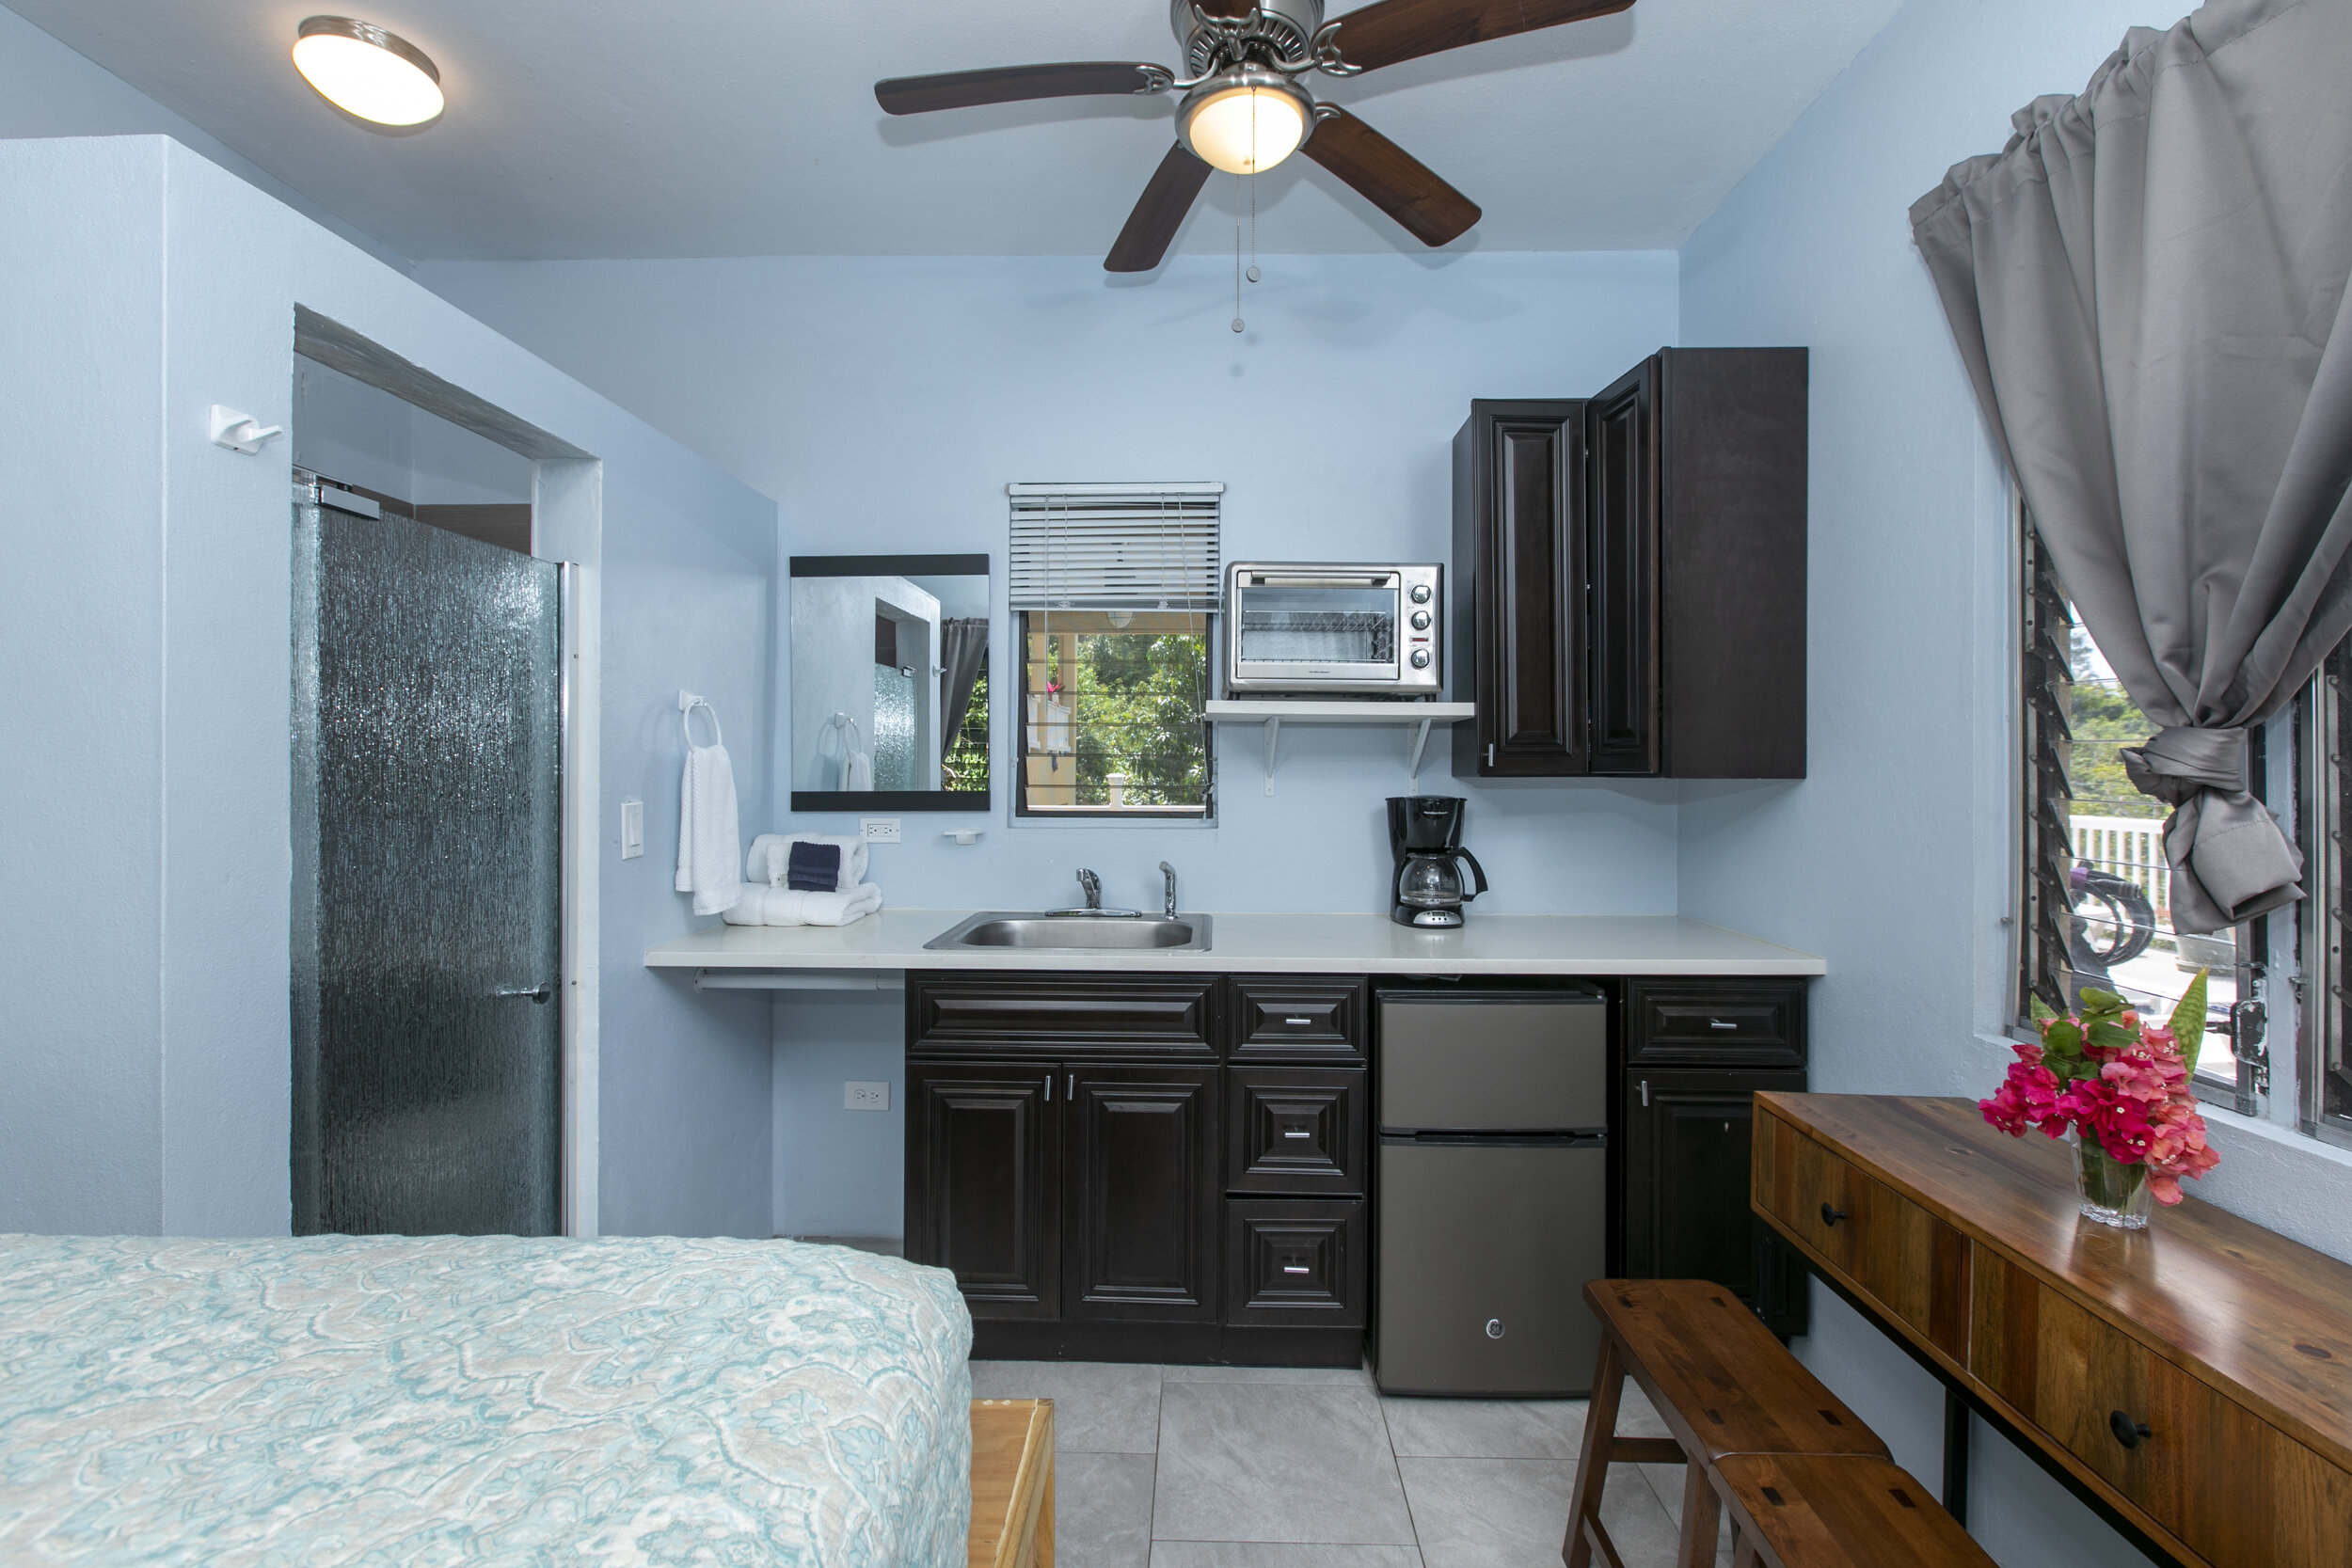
(1244,110)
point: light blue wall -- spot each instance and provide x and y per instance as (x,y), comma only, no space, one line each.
(887,402)
(48,89)
(1894,858)
(145,632)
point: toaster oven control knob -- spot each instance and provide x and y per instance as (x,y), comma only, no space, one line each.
(1421,620)
(1420,593)
(1421,658)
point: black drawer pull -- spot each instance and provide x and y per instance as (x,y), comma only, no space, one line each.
(1830,1215)
(2128,1431)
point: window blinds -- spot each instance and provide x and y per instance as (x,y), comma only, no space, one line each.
(1115,546)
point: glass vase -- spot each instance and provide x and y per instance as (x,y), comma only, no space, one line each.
(2112,1192)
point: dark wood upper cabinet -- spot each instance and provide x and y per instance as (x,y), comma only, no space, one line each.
(1673,643)
(1518,587)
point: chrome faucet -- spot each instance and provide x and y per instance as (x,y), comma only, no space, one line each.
(1169,872)
(1093,887)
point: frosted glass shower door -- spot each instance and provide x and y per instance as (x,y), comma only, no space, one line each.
(427,907)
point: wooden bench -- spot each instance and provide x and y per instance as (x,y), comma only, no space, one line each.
(1012,1484)
(1837,1510)
(1723,1384)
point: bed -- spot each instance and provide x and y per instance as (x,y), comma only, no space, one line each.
(455,1400)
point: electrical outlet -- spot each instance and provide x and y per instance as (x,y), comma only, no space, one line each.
(878,830)
(865,1096)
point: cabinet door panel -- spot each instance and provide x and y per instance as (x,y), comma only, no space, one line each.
(1089,1015)
(1296,1264)
(983,1173)
(1520,574)
(1741,1024)
(1687,1157)
(1295,1130)
(1621,562)
(1286,1017)
(1144,1192)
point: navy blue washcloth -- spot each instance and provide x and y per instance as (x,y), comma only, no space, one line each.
(814,868)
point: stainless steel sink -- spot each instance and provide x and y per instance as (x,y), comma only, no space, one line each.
(1078,933)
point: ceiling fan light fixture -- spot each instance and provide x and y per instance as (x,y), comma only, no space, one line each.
(1245,119)
(364,70)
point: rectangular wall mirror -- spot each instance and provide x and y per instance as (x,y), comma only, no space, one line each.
(889,682)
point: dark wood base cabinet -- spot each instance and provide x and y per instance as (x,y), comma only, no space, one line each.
(1107,1188)
(1174,1168)
(1696,1052)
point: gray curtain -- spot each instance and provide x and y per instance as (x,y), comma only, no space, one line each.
(2148,287)
(962,649)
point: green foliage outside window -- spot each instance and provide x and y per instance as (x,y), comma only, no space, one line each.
(1136,701)
(2104,721)
(965,765)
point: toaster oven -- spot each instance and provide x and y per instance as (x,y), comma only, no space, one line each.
(1315,627)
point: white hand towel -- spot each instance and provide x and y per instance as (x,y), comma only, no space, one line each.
(710,843)
(858,772)
(771,855)
(781,906)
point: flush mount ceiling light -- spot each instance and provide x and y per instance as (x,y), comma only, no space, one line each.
(364,70)
(1245,119)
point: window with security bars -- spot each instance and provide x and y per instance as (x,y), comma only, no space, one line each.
(1116,587)
(2094,885)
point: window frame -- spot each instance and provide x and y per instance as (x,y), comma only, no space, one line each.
(1025,815)
(2323,1012)
(2044,812)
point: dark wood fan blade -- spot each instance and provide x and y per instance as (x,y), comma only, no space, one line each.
(1389,178)
(1015,84)
(1388,31)
(1175,185)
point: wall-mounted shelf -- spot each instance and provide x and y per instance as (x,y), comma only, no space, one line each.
(1416,717)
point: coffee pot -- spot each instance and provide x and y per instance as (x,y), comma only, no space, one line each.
(1426,835)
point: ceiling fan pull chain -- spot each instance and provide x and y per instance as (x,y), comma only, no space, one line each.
(1237,321)
(1253,228)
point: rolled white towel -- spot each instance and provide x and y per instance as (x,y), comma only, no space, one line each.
(782,905)
(772,852)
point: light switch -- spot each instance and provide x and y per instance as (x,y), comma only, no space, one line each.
(632,829)
(856,1096)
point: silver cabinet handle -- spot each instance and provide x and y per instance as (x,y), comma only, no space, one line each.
(1491,753)
(1298,1023)
(1646,1094)
(1721,1024)
(537,994)
(1294,1268)
(1049,1089)
(1074,1085)
(1296,1132)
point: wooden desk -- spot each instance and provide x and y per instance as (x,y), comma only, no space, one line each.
(2231,1345)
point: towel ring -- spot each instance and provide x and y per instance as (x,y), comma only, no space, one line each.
(687,704)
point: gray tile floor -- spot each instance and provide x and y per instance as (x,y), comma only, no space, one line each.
(1246,1467)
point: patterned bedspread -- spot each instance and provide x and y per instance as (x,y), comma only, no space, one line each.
(453,1399)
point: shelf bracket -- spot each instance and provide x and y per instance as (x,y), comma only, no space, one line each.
(1272,733)
(1413,749)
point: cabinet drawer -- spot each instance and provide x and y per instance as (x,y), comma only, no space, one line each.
(1285,1019)
(2208,1471)
(1168,1017)
(1910,1265)
(1746,1023)
(1295,1130)
(1290,1262)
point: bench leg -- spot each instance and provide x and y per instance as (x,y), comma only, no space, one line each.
(1701,1512)
(1592,1462)
(1744,1555)
(1046,1520)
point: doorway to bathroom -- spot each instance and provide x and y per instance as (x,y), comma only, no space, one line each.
(429,759)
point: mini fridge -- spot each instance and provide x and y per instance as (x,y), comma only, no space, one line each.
(1491,1188)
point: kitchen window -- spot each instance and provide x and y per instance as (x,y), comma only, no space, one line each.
(1115,587)
(2094,886)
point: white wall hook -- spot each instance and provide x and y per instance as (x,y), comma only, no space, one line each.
(241,432)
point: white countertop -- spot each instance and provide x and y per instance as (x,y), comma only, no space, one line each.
(1594,945)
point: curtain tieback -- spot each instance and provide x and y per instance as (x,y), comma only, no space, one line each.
(2230,859)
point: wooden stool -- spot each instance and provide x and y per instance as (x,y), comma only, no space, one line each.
(1723,1384)
(1012,1484)
(1838,1510)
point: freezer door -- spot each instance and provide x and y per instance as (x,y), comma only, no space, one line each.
(1516,1063)
(1484,1249)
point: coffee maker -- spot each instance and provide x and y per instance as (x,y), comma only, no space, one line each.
(1426,833)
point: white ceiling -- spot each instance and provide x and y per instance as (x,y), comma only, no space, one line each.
(620,128)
